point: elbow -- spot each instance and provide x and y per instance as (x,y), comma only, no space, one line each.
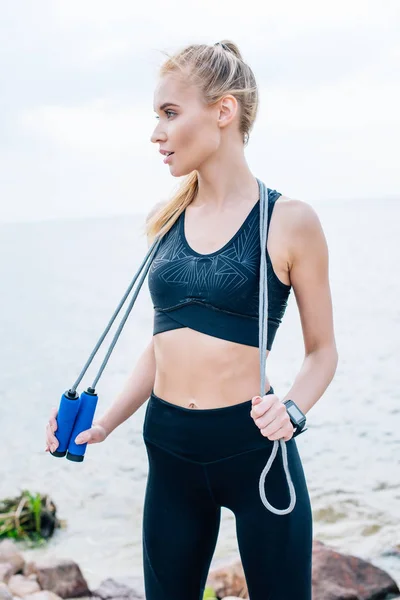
(335,359)
(328,355)
(332,358)
(335,353)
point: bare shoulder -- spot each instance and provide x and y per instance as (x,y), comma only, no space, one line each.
(300,227)
(297,216)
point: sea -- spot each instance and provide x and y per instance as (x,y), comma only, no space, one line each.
(61,281)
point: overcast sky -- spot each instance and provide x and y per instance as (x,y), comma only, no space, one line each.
(76,98)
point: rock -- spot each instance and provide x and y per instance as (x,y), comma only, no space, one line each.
(63,577)
(133,582)
(5,593)
(6,570)
(9,554)
(228,580)
(22,586)
(127,589)
(7,547)
(335,576)
(338,576)
(43,595)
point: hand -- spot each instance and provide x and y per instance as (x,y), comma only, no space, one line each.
(94,435)
(271,417)
(51,427)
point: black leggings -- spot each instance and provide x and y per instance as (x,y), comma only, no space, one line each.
(200,460)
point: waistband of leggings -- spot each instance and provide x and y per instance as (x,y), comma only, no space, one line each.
(202,434)
(227,410)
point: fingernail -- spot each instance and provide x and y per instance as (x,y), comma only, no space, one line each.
(79,439)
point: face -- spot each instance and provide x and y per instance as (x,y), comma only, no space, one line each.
(186,125)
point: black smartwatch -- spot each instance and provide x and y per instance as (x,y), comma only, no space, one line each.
(297,417)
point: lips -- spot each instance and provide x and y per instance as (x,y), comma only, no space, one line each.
(168,157)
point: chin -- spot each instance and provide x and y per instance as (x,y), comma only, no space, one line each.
(179,172)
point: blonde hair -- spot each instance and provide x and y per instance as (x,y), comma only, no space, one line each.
(216,70)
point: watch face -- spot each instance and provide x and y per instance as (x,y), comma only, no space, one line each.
(295,413)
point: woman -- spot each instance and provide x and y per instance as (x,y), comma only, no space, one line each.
(207,442)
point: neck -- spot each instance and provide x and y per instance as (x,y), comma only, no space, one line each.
(224,182)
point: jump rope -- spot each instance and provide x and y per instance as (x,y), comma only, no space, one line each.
(75,413)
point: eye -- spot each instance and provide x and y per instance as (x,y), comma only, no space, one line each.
(167,112)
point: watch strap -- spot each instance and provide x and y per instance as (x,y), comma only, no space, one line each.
(299,431)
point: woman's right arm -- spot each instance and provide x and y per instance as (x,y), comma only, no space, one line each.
(139,385)
(136,391)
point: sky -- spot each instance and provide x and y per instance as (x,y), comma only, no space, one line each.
(77,79)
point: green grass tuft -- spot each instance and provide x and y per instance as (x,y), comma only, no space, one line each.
(28,517)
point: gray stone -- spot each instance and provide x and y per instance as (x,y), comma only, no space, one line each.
(128,588)
(63,577)
(22,586)
(6,571)
(43,595)
(9,554)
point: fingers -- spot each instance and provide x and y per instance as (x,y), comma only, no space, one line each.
(52,420)
(266,408)
(261,405)
(271,417)
(93,435)
(285,432)
(84,437)
(51,427)
(96,433)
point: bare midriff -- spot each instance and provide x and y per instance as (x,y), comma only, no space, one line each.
(199,371)
(195,370)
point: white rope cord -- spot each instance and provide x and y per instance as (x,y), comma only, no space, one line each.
(263,334)
(149,257)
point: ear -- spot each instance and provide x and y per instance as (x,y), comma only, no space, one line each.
(228,108)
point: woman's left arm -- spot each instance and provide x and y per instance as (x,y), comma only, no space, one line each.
(309,276)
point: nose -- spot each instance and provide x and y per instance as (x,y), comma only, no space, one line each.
(157,136)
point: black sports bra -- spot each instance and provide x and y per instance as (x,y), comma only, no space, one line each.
(216,293)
